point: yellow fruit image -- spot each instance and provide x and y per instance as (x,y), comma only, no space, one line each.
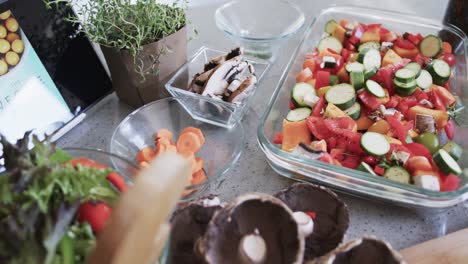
(5,15)
(12,37)
(17,46)
(3,67)
(11,24)
(3,32)
(4,46)
(12,58)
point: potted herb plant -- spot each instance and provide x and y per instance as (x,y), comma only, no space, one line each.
(143,42)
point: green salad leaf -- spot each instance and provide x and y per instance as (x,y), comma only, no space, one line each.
(39,196)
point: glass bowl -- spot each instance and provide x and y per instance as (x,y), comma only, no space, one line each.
(220,152)
(353,181)
(204,108)
(259,26)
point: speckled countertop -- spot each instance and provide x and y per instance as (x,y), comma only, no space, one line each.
(400,226)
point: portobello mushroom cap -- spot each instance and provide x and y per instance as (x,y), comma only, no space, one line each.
(244,90)
(366,250)
(220,59)
(217,81)
(330,223)
(189,224)
(253,228)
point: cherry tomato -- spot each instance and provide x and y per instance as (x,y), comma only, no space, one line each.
(450,59)
(95,213)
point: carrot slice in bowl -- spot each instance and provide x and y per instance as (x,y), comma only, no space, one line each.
(198,177)
(197,164)
(164,133)
(195,130)
(188,142)
(145,154)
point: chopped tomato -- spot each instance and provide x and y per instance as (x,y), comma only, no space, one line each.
(331,143)
(118,181)
(386,75)
(415,39)
(337,153)
(393,102)
(350,161)
(374,27)
(312,215)
(437,101)
(97,214)
(400,129)
(419,150)
(317,127)
(418,163)
(450,129)
(339,125)
(319,107)
(388,36)
(379,170)
(450,59)
(370,101)
(371,160)
(322,79)
(420,95)
(85,162)
(278,138)
(449,183)
(345,54)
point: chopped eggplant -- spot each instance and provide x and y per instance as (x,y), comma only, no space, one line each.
(425,123)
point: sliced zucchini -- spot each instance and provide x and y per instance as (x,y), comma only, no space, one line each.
(354,67)
(375,144)
(405,75)
(357,80)
(430,46)
(330,43)
(361,55)
(375,89)
(333,80)
(366,168)
(342,95)
(453,149)
(415,67)
(370,72)
(369,45)
(298,114)
(299,91)
(405,89)
(446,163)
(330,26)
(372,59)
(398,174)
(424,80)
(439,70)
(354,111)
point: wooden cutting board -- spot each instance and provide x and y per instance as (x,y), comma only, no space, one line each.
(450,249)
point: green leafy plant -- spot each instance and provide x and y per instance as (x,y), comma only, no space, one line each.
(127,25)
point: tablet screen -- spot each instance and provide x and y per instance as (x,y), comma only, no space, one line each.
(49,74)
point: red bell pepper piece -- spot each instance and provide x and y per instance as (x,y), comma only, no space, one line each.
(322,78)
(351,161)
(379,170)
(317,127)
(331,143)
(319,107)
(420,95)
(278,138)
(332,51)
(345,54)
(394,101)
(419,150)
(450,129)
(311,214)
(370,101)
(437,101)
(413,38)
(337,153)
(404,44)
(386,74)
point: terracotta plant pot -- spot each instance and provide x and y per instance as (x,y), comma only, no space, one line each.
(129,85)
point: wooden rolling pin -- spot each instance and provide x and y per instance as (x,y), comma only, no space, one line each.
(450,249)
(139,224)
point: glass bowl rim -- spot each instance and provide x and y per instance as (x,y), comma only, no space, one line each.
(266,145)
(236,152)
(218,19)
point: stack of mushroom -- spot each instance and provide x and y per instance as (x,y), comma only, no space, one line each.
(229,78)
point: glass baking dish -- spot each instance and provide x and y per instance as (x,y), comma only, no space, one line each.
(353,181)
(204,108)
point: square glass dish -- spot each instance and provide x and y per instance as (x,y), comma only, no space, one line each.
(353,181)
(204,108)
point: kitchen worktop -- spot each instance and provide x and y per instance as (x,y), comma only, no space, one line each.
(400,226)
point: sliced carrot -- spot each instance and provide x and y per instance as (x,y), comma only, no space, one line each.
(160,148)
(171,148)
(197,164)
(165,133)
(145,154)
(198,177)
(163,141)
(195,130)
(188,142)
(446,47)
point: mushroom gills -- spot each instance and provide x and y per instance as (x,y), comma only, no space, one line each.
(253,248)
(220,59)
(305,151)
